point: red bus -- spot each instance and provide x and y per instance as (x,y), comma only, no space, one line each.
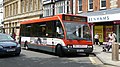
(61,34)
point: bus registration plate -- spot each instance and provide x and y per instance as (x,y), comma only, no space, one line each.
(79,46)
(80,50)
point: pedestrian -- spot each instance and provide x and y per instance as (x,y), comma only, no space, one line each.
(38,41)
(14,35)
(112,39)
(96,37)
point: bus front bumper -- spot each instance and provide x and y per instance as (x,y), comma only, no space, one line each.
(77,50)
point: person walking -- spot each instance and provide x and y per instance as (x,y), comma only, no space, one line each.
(14,35)
(112,39)
(96,37)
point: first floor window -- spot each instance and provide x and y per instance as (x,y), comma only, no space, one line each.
(102,4)
(59,7)
(90,5)
(79,5)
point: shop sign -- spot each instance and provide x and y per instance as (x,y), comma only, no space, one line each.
(104,18)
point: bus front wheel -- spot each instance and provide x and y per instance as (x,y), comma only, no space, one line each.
(59,51)
(87,54)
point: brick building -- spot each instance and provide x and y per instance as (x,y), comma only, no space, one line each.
(103,15)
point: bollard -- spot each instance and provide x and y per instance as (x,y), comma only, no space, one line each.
(115,51)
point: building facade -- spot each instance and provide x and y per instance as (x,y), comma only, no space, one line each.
(97,11)
(103,16)
(54,7)
(1,16)
(16,11)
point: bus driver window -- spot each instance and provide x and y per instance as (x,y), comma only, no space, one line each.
(59,30)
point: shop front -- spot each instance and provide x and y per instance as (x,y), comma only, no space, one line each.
(104,30)
(105,24)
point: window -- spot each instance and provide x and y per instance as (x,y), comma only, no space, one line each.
(22,7)
(14,5)
(90,5)
(39,28)
(103,4)
(40,4)
(26,30)
(45,29)
(60,7)
(79,5)
(35,5)
(48,10)
(30,5)
(27,5)
(10,10)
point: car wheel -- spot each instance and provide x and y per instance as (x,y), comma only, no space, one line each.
(59,51)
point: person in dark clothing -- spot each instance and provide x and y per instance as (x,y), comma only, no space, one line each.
(13,35)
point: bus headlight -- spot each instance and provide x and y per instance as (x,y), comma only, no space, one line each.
(69,46)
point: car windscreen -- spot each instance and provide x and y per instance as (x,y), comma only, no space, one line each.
(4,37)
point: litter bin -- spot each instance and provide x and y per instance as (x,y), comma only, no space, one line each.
(115,51)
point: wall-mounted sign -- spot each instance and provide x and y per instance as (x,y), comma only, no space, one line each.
(104,18)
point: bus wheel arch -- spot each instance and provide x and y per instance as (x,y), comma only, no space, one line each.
(59,50)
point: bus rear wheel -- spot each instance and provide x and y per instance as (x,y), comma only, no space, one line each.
(59,51)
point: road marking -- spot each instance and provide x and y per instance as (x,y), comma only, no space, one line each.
(92,60)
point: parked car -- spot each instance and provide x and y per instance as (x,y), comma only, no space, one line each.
(8,45)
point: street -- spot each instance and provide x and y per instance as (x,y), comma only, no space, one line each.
(36,58)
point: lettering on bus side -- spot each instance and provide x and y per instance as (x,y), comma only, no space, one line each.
(44,41)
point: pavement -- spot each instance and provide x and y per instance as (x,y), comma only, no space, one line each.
(106,57)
